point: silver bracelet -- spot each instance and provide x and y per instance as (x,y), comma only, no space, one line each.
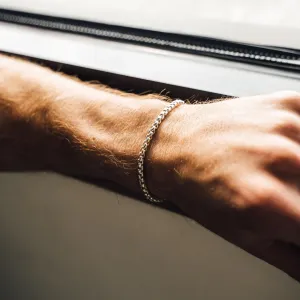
(145,146)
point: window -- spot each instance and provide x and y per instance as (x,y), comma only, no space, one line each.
(264,22)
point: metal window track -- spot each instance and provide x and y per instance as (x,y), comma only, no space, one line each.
(260,55)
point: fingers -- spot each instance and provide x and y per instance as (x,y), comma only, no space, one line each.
(289,210)
(270,207)
(282,214)
(274,215)
(279,115)
(284,256)
(286,100)
(285,123)
(285,119)
(284,157)
(279,154)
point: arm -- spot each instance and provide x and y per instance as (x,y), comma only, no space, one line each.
(51,121)
(232,165)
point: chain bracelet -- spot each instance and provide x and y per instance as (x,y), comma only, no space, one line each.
(145,146)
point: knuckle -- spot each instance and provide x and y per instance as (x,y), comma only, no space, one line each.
(262,198)
(261,195)
(265,193)
(287,95)
(280,151)
(256,190)
(283,155)
(286,123)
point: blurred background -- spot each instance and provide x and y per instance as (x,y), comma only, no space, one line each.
(265,22)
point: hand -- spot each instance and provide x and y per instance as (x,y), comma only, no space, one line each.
(234,166)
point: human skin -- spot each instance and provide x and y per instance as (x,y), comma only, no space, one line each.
(232,165)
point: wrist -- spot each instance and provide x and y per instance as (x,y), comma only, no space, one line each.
(164,159)
(105,136)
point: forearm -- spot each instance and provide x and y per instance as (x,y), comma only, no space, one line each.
(232,165)
(54,122)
